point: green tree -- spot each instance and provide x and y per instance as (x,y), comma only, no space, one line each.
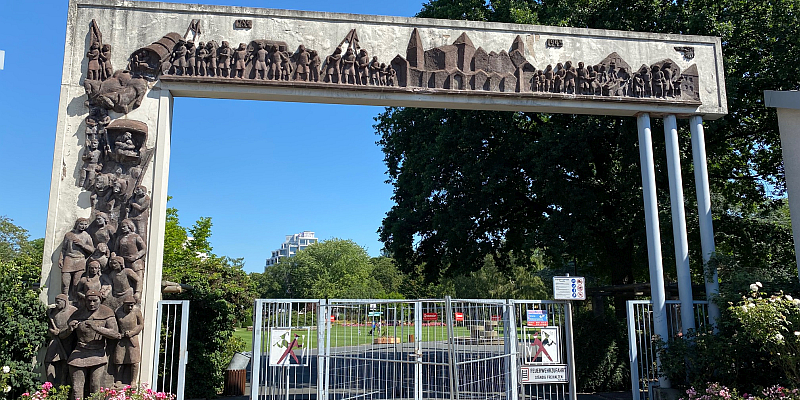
(23,318)
(220,295)
(334,268)
(475,183)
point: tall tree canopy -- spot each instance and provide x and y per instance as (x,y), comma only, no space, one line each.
(475,183)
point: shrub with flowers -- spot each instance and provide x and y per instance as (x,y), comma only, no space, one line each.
(715,391)
(773,324)
(49,392)
(5,388)
(140,392)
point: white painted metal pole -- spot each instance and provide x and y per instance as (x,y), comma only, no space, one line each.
(679,223)
(704,212)
(573,379)
(652,228)
(633,351)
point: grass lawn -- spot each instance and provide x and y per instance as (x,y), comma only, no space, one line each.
(350,336)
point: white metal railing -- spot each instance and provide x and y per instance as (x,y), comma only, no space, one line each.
(169,363)
(413,349)
(641,343)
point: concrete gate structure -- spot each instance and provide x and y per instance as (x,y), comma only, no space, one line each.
(112,149)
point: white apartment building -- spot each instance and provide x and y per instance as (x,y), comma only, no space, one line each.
(293,244)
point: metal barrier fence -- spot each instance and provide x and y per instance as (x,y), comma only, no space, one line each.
(409,349)
(169,365)
(641,343)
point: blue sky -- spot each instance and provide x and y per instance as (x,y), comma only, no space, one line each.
(260,170)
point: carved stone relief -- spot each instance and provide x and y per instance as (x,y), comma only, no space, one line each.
(459,66)
(97,317)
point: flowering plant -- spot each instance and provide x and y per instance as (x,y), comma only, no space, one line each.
(140,392)
(715,391)
(48,392)
(772,324)
(5,388)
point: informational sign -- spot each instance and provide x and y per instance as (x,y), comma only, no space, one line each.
(375,313)
(569,288)
(333,318)
(532,374)
(541,345)
(430,316)
(496,318)
(536,318)
(459,316)
(287,348)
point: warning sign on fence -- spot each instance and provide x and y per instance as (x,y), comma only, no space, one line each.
(544,374)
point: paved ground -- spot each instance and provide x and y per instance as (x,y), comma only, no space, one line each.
(581,396)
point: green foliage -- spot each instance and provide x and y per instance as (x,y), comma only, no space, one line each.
(602,364)
(475,183)
(23,318)
(334,268)
(491,283)
(773,325)
(220,295)
(49,392)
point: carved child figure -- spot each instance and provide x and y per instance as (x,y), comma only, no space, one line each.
(313,65)
(374,71)
(127,353)
(286,65)
(362,67)
(61,343)
(124,282)
(349,67)
(224,63)
(91,164)
(131,247)
(202,55)
(105,62)
(76,248)
(239,60)
(301,72)
(179,58)
(92,324)
(211,60)
(93,55)
(139,210)
(548,79)
(101,254)
(391,76)
(191,58)
(93,280)
(332,66)
(260,64)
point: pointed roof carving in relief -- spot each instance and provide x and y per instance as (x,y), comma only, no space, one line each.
(465,52)
(463,39)
(501,63)
(617,60)
(415,53)
(518,45)
(480,61)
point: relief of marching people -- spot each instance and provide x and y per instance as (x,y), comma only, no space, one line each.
(267,60)
(658,81)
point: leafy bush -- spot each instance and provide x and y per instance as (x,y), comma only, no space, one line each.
(23,318)
(715,391)
(603,342)
(48,392)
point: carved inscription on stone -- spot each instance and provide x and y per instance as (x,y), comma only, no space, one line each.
(243,24)
(557,43)
(687,51)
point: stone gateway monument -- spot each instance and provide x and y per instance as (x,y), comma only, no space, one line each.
(125,61)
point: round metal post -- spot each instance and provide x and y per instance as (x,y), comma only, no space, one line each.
(679,223)
(704,212)
(653,232)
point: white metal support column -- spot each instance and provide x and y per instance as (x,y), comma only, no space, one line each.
(704,212)
(510,344)
(652,228)
(255,362)
(788,105)
(679,223)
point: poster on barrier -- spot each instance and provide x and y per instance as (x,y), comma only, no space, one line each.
(287,347)
(541,345)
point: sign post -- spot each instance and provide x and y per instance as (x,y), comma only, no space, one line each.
(569,288)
